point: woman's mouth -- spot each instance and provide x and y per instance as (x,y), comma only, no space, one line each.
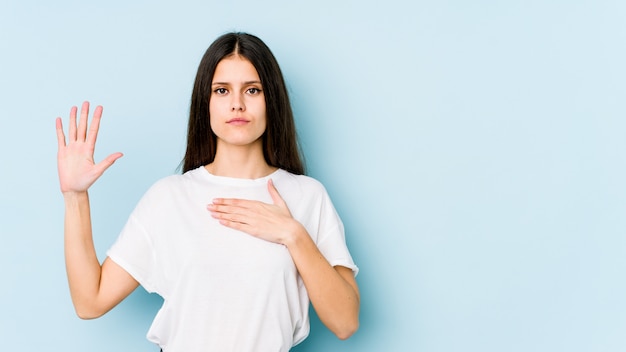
(237,121)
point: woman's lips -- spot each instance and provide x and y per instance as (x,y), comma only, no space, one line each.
(237,121)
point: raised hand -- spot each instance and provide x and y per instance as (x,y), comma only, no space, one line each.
(271,222)
(77,169)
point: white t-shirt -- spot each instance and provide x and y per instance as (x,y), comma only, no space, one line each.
(225,290)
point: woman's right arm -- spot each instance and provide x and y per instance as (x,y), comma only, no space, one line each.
(94,288)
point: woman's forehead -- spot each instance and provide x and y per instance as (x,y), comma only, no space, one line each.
(235,69)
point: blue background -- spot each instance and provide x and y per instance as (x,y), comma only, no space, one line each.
(475,150)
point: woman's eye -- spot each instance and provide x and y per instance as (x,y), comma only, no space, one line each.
(220,91)
(254,91)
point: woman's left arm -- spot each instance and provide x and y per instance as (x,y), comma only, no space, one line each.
(333,290)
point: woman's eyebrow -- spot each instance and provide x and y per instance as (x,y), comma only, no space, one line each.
(228,83)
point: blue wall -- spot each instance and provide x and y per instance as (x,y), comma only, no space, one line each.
(475,150)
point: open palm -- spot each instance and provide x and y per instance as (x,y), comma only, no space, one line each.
(77,169)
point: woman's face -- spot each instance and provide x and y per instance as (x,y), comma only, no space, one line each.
(237,104)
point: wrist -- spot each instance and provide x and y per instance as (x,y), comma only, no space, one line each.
(294,234)
(72,196)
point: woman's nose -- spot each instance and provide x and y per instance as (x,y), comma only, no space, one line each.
(237,103)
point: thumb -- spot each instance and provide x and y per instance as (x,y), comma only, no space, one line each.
(278,200)
(102,166)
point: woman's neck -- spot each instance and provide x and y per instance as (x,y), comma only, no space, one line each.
(239,163)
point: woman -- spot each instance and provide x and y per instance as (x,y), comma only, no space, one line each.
(239,243)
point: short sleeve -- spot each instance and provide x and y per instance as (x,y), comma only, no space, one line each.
(331,239)
(134,251)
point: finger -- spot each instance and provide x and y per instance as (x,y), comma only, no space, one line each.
(229,217)
(72,131)
(243,203)
(217,201)
(82,122)
(95,126)
(60,134)
(237,226)
(226,209)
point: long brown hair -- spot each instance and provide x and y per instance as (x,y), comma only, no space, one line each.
(280,144)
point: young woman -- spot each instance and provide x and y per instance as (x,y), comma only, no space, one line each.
(239,243)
